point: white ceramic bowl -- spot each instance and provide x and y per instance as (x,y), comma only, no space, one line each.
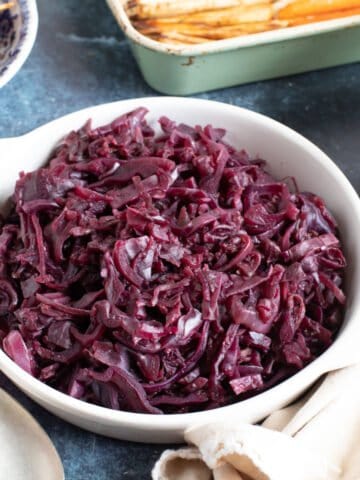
(287,153)
(18,28)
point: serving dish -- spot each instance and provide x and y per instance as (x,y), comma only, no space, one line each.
(18,28)
(178,70)
(287,153)
(27,452)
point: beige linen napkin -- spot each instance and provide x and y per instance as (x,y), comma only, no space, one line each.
(317,438)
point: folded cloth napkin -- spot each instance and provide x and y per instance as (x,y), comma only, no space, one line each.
(317,438)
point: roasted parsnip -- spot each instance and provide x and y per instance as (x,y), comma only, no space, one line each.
(6,6)
(196,21)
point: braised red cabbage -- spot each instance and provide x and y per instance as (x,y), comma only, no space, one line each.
(165,273)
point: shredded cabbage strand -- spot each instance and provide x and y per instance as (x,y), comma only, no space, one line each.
(165,273)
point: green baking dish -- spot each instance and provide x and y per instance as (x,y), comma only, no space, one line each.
(177,70)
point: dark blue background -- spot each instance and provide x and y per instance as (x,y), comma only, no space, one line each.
(80,59)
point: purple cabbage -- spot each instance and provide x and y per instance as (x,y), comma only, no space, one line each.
(165,273)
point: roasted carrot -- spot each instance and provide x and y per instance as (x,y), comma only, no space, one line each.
(214,18)
(261,12)
(304,8)
(322,17)
(200,30)
(225,20)
(243,29)
(154,8)
(177,37)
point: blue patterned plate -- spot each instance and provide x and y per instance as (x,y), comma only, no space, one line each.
(18,27)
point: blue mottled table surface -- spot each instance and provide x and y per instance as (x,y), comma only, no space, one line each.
(80,59)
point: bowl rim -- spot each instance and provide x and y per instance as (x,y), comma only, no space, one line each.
(329,360)
(31,22)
